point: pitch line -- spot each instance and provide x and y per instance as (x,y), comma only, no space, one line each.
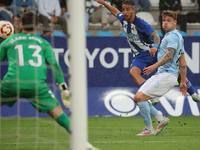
(139,141)
(99,142)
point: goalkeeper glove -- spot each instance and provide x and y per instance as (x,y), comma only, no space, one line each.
(65,94)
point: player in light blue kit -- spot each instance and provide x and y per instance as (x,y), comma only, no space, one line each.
(143,41)
(171,62)
(141,37)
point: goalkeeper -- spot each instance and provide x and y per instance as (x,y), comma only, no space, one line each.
(27,72)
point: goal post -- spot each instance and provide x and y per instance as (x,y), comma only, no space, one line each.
(78,74)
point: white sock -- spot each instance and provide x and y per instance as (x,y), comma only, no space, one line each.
(149,127)
(159,116)
(194,94)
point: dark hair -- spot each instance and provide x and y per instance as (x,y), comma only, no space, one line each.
(129,2)
(170,13)
(29,21)
(18,16)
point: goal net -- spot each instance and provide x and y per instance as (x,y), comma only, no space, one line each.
(24,127)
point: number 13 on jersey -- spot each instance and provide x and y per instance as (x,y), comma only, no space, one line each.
(36,54)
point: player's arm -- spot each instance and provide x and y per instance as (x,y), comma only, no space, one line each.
(58,75)
(156,40)
(167,57)
(3,52)
(56,70)
(183,72)
(112,9)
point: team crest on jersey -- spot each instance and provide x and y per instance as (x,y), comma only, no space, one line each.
(133,28)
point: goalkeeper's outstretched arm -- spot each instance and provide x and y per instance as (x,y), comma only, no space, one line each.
(58,75)
(112,9)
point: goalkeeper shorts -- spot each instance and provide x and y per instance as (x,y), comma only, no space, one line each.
(40,96)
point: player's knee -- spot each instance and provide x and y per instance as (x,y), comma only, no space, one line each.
(137,98)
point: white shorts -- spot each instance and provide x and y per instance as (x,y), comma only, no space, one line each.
(159,84)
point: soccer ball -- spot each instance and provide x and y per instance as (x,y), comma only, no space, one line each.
(6,29)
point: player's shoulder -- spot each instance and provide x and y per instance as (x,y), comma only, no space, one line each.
(140,23)
(174,34)
(39,39)
(7,41)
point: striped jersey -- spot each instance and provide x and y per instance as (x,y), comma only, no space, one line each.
(137,34)
(174,40)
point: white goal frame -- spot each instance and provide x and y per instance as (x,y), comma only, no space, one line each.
(78,74)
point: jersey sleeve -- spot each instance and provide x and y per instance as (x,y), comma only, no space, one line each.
(183,48)
(120,16)
(3,52)
(174,41)
(143,26)
(54,65)
(149,30)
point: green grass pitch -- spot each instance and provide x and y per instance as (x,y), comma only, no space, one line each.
(106,133)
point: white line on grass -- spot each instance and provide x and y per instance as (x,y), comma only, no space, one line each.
(104,142)
(139,141)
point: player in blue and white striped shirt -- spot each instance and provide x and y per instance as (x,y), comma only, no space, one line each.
(141,37)
(143,41)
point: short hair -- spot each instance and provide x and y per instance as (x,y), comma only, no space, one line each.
(129,2)
(29,21)
(170,13)
(18,16)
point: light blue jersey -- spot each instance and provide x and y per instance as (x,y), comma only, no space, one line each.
(174,40)
(137,34)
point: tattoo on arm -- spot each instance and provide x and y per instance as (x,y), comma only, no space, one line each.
(182,67)
(168,56)
(169,53)
(155,37)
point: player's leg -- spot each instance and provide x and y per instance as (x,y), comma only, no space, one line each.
(8,94)
(48,103)
(161,120)
(136,71)
(61,118)
(141,100)
(151,89)
(190,89)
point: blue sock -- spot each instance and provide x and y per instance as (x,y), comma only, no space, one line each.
(140,85)
(153,110)
(145,112)
(190,88)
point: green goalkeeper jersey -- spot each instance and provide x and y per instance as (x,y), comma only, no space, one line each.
(27,57)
